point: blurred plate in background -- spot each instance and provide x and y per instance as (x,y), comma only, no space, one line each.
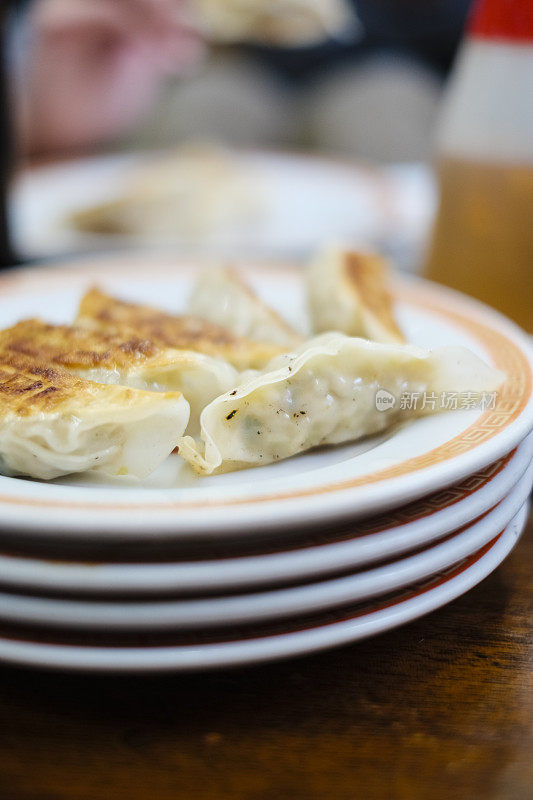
(302,200)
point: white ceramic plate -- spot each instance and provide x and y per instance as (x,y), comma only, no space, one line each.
(304,200)
(267,643)
(264,606)
(353,480)
(327,552)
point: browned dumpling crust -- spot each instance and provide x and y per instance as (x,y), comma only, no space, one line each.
(108,314)
(28,386)
(368,275)
(127,360)
(75,346)
(349,291)
(53,423)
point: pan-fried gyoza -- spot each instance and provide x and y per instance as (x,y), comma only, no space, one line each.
(80,397)
(348,291)
(333,389)
(102,312)
(53,423)
(222,296)
(126,360)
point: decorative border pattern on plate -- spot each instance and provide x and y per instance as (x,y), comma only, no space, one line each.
(239,633)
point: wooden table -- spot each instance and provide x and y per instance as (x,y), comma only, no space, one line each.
(442,708)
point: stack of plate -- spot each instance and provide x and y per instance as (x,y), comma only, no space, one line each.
(323,549)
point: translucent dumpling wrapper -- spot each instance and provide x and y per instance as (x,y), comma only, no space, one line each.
(126,360)
(101,312)
(333,389)
(53,423)
(348,291)
(221,296)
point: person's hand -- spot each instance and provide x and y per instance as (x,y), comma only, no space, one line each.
(94,66)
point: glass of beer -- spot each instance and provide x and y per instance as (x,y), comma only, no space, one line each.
(482,240)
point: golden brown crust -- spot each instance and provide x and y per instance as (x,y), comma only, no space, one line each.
(104,313)
(74,346)
(368,275)
(30,387)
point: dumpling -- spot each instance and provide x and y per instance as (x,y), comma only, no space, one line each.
(53,423)
(348,292)
(289,23)
(196,193)
(101,312)
(333,389)
(221,296)
(126,360)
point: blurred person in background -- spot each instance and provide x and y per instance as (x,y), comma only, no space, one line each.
(372,94)
(89,69)
(97,70)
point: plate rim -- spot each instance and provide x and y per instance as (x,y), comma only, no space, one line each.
(248,571)
(242,609)
(324,636)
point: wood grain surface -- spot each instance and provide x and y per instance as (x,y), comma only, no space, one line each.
(441,708)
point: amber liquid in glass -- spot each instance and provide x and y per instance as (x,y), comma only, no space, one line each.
(482,241)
